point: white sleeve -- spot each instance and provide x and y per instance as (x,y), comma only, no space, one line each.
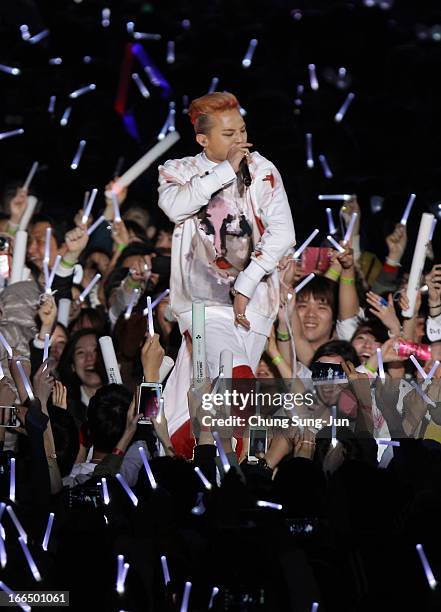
(433,328)
(345,329)
(277,239)
(181,199)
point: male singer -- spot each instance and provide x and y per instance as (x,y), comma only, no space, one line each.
(233,225)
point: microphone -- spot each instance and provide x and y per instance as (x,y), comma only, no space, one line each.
(245,172)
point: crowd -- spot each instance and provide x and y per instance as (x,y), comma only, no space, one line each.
(325,519)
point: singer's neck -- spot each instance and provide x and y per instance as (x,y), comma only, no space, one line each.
(211,157)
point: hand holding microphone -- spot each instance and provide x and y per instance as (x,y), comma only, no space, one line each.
(238,154)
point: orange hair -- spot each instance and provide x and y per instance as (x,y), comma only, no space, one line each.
(201,109)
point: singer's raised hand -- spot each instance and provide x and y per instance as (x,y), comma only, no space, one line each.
(237,153)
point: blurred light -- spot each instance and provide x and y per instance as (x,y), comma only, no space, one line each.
(186,24)
(296,14)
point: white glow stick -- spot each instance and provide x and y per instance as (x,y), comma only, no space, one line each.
(6,345)
(185,597)
(389,442)
(94,225)
(105,17)
(30,176)
(88,206)
(47,533)
(146,36)
(198,342)
(4,135)
(2,374)
(167,364)
(2,509)
(214,592)
(213,85)
(53,273)
(433,370)
(19,257)
(421,393)
(110,360)
(18,525)
(140,85)
(203,478)
(426,566)
(246,62)
(115,203)
(46,346)
(419,257)
(16,597)
(105,490)
(435,221)
(147,468)
(24,32)
(335,244)
(313,82)
(165,570)
(3,555)
(122,481)
(305,244)
(9,70)
(64,311)
(170,52)
(221,451)
(27,215)
(30,560)
(77,157)
(145,162)
(120,567)
(344,107)
(418,366)
(335,197)
(25,380)
(83,90)
(331,226)
(381,373)
(408,209)
(51,107)
(304,282)
(12,480)
(55,61)
(122,579)
(166,127)
(309,155)
(131,304)
(314,606)
(350,228)
(89,287)
(333,426)
(38,37)
(65,118)
(151,328)
(266,504)
(130,27)
(47,245)
(157,300)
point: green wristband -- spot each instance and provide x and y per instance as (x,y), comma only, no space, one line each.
(282,336)
(333,274)
(67,264)
(120,247)
(347,281)
(369,369)
(276,360)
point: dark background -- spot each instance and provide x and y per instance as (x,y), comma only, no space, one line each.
(387,145)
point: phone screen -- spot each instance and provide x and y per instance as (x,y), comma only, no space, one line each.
(258,443)
(148,401)
(8,416)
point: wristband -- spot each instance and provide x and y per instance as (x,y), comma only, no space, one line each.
(347,281)
(67,264)
(283,336)
(118,451)
(276,360)
(333,274)
(369,369)
(120,247)
(393,262)
(12,229)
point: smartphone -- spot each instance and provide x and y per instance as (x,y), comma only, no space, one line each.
(258,443)
(8,416)
(316,258)
(148,395)
(327,373)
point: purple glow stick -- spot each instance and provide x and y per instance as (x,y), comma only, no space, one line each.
(51,107)
(38,37)
(389,442)
(313,77)
(83,90)
(213,85)
(6,345)
(115,203)
(146,36)
(309,155)
(203,478)
(331,226)
(12,480)
(185,597)
(381,373)
(24,32)
(4,135)
(335,197)
(147,468)
(105,489)
(333,426)
(47,533)
(304,282)
(10,70)
(30,176)
(128,312)
(221,451)
(53,272)
(246,62)
(55,61)
(89,287)
(170,52)
(30,560)
(214,592)
(266,504)
(25,380)
(77,157)
(314,607)
(305,244)
(47,245)
(325,167)
(165,571)
(157,300)
(88,206)
(105,17)
(335,244)
(94,225)
(65,118)
(408,209)
(434,222)
(150,317)
(418,366)
(140,85)
(426,566)
(122,481)
(3,556)
(344,107)
(433,370)
(15,596)
(350,228)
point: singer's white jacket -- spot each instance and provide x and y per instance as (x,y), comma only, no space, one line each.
(186,185)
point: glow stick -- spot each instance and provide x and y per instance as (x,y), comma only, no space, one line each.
(350,228)
(313,82)
(120,568)
(105,490)
(309,156)
(3,556)
(55,61)
(381,373)
(305,244)
(89,287)
(2,374)
(433,370)
(165,571)
(246,62)
(408,209)
(83,90)
(314,607)
(213,85)
(65,118)
(38,37)
(53,273)
(170,52)
(47,245)
(16,597)
(94,225)
(333,426)
(105,17)
(25,380)
(185,104)
(331,226)
(147,468)
(2,509)
(435,221)
(185,597)
(157,300)
(4,135)
(214,592)
(267,504)
(64,311)
(418,260)
(115,203)
(30,176)
(198,342)
(12,480)
(344,107)
(51,107)
(6,345)
(335,197)
(140,85)
(27,215)
(151,329)
(88,206)
(9,70)
(19,257)
(418,366)
(133,300)
(426,566)
(388,442)
(166,366)
(146,36)
(166,127)
(304,282)
(172,113)
(120,478)
(421,393)
(221,451)
(122,579)
(335,244)
(130,27)
(24,31)
(77,157)
(110,361)
(30,560)
(203,478)
(47,533)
